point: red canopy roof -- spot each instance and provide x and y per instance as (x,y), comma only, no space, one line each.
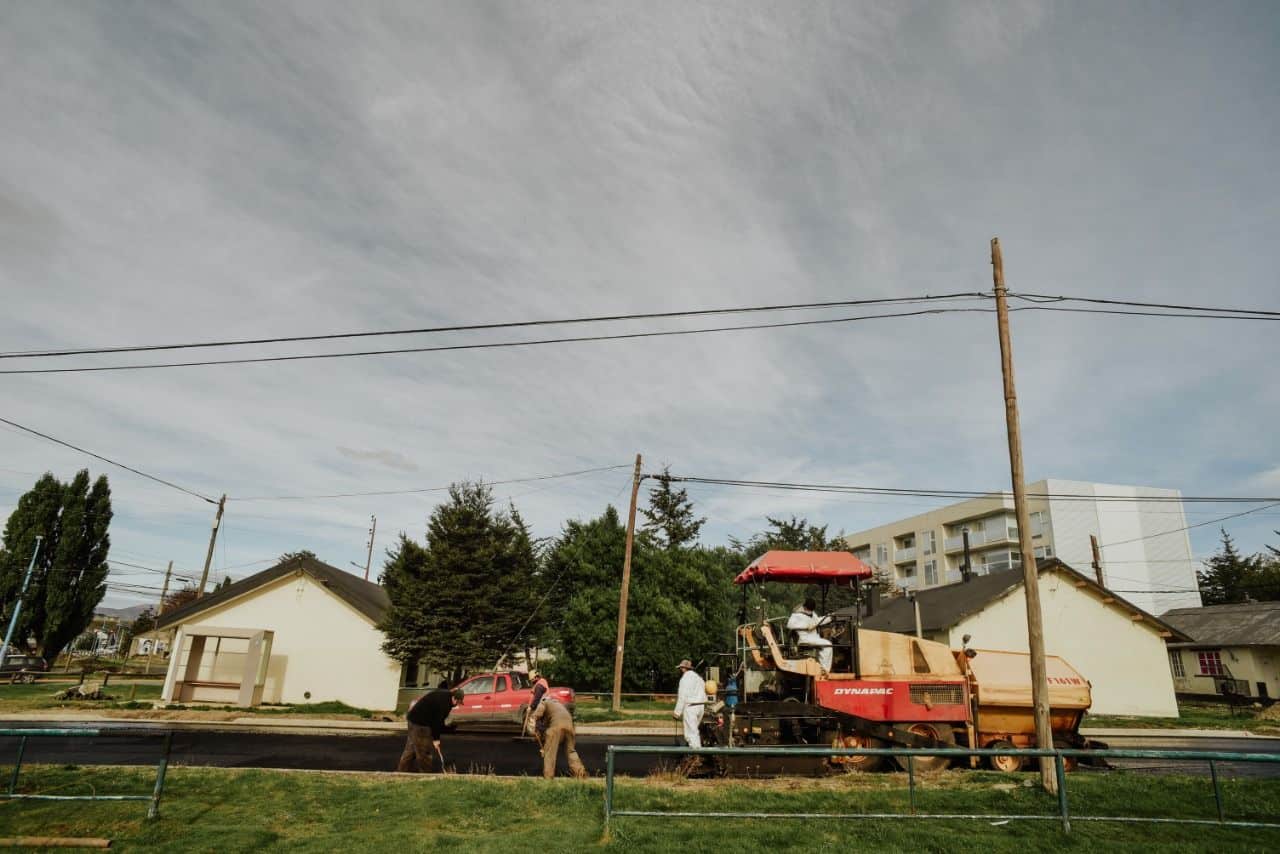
(804,568)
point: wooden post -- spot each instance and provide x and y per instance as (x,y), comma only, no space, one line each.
(373,530)
(213,538)
(1097,559)
(626,585)
(164,592)
(1030,574)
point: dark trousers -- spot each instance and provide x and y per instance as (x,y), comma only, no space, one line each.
(419,752)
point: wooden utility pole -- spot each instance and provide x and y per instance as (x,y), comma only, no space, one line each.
(626,586)
(155,637)
(213,538)
(1030,574)
(1097,559)
(373,529)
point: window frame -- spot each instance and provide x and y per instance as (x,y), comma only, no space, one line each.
(1175,664)
(1214,657)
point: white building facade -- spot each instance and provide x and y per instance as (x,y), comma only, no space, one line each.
(1141,531)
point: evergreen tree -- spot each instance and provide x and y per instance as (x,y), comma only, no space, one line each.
(1231,577)
(460,601)
(669,516)
(69,579)
(680,606)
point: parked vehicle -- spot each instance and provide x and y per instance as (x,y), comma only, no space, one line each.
(22,668)
(500,699)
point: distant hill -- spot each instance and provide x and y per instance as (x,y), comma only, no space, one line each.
(130,613)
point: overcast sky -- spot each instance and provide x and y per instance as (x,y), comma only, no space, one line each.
(190,171)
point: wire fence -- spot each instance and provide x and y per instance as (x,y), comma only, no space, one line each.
(162,766)
(1061,758)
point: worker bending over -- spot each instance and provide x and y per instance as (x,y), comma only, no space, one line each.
(804,622)
(426,717)
(557,725)
(691,699)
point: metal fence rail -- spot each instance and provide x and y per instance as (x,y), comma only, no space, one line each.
(1059,757)
(162,767)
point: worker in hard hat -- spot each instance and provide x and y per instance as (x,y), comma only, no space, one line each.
(557,726)
(691,699)
(804,622)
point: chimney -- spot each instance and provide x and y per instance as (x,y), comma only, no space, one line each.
(966,569)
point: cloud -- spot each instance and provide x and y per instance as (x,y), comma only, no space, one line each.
(391,459)
(203,171)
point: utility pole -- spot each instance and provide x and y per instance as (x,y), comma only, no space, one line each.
(17,606)
(1030,574)
(915,602)
(155,637)
(1097,559)
(373,529)
(626,586)
(967,569)
(213,538)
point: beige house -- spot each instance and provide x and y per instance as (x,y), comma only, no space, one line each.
(1230,649)
(1117,646)
(300,632)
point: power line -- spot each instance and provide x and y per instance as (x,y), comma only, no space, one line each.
(1197,525)
(1132,303)
(493,345)
(424,489)
(964,494)
(475,327)
(107,460)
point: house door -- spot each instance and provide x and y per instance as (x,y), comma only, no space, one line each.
(1262,689)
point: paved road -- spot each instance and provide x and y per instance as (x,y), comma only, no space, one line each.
(472,752)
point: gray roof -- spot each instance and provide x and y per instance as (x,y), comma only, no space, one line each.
(366,597)
(1244,624)
(945,606)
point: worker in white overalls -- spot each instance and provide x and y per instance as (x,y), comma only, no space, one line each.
(691,699)
(804,622)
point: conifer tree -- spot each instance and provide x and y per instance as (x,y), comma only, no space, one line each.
(669,516)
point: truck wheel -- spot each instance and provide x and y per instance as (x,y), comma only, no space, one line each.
(928,763)
(856,763)
(1004,764)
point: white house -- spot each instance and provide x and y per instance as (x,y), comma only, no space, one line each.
(1117,646)
(299,632)
(1233,648)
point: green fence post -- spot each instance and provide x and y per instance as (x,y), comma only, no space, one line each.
(1058,766)
(608,787)
(17,764)
(911,781)
(153,811)
(1217,789)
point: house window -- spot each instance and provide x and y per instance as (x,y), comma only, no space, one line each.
(882,555)
(930,542)
(1175,664)
(930,572)
(1037,524)
(1211,662)
(1043,552)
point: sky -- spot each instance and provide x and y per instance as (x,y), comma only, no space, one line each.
(196,171)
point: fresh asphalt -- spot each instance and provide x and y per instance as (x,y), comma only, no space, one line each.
(473,753)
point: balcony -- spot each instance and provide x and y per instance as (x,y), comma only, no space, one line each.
(979,538)
(904,555)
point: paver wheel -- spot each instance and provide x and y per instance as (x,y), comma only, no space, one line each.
(1005,764)
(856,763)
(936,732)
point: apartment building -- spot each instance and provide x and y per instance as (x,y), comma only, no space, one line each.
(1145,549)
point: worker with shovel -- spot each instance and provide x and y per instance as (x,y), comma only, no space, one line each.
(426,717)
(556,725)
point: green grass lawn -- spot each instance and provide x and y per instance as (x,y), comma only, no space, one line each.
(1194,716)
(40,696)
(224,810)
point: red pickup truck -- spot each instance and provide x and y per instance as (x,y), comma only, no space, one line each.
(500,699)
